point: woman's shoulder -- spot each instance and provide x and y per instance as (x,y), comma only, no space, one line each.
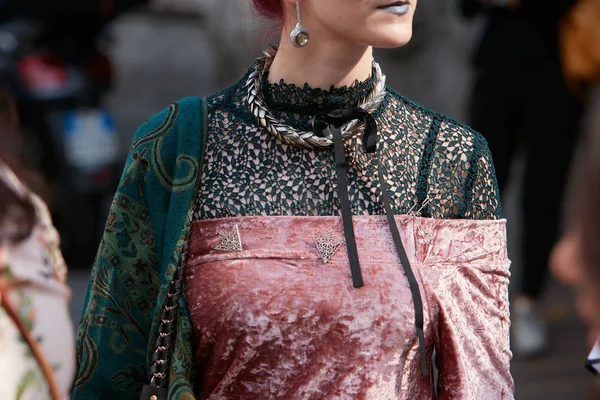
(447,131)
(173,116)
(186,113)
(166,150)
(457,155)
(174,131)
(229,98)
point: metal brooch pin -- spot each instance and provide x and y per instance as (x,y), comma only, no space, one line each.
(327,246)
(230,241)
(426,233)
(417,213)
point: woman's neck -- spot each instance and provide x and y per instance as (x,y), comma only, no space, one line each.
(321,64)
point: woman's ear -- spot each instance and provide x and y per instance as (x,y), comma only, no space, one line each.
(289,10)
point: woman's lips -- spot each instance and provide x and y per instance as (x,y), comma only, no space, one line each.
(398,7)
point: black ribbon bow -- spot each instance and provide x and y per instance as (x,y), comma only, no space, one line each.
(329,125)
(324,125)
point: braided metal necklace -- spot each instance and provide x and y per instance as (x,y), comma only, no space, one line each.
(285,133)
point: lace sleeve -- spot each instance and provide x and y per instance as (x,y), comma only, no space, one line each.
(482,196)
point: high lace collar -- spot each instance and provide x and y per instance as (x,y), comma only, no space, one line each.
(305,100)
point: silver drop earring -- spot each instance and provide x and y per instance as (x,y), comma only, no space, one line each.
(299,36)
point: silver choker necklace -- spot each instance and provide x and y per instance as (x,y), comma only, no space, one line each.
(285,133)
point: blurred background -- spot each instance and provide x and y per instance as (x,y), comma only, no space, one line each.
(78,84)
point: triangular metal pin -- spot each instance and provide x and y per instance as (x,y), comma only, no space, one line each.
(230,241)
(327,246)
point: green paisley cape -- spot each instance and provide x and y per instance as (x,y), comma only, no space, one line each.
(138,255)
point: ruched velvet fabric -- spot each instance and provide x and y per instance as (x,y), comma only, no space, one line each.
(273,321)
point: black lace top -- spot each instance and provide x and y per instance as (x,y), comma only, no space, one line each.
(425,155)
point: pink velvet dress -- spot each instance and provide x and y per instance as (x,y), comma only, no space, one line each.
(273,303)
(273,320)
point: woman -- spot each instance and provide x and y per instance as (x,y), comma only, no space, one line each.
(576,260)
(37,356)
(245,200)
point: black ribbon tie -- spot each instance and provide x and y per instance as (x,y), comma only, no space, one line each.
(330,125)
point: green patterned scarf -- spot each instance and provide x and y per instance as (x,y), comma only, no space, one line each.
(138,255)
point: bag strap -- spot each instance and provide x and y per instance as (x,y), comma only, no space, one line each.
(34,346)
(161,359)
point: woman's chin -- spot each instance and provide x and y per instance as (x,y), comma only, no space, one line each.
(390,38)
(392,44)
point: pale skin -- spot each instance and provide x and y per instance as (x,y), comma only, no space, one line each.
(342,36)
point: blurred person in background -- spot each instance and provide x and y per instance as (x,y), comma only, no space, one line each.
(37,352)
(575,260)
(308,232)
(520,100)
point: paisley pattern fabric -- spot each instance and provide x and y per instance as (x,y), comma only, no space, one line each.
(33,280)
(139,253)
(272,321)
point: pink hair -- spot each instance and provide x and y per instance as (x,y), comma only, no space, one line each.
(271,9)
